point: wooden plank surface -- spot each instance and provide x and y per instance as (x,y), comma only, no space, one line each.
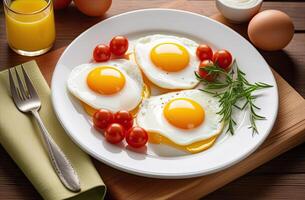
(291,121)
(281,178)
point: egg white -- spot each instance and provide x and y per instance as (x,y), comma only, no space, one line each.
(128,98)
(183,79)
(151,117)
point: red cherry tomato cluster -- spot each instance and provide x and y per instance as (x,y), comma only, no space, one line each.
(117,46)
(221,58)
(119,125)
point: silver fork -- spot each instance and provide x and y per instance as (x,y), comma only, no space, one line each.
(26,100)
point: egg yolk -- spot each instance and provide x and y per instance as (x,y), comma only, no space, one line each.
(106,80)
(170,57)
(184,113)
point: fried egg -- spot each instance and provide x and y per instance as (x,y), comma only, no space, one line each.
(168,61)
(114,85)
(186,120)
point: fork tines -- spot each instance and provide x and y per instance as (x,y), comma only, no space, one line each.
(19,90)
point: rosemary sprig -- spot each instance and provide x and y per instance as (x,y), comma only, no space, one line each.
(231,90)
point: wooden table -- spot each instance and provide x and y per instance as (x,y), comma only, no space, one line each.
(282,178)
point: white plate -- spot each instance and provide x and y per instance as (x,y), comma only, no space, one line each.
(226,152)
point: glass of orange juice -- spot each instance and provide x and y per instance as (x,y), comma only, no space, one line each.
(30,26)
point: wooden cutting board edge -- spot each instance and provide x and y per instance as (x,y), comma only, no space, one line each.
(201,190)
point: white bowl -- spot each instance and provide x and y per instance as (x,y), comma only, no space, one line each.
(238,14)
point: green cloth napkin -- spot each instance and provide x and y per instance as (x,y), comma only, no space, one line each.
(20,136)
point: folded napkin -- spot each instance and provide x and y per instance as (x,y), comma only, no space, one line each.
(21,138)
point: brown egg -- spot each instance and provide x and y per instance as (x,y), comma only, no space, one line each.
(93,8)
(271,30)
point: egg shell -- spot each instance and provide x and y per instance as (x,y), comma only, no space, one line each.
(271,30)
(93,8)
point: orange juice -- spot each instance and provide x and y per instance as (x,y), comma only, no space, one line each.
(30,25)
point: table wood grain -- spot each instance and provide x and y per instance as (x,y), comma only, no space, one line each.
(282,178)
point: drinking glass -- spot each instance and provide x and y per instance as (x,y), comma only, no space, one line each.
(30,26)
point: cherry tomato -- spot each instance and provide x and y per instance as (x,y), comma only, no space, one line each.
(101,53)
(114,133)
(136,137)
(204,52)
(124,118)
(119,45)
(222,58)
(203,73)
(102,118)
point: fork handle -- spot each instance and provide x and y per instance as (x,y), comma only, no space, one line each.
(61,164)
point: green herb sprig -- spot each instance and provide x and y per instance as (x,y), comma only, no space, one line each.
(231,88)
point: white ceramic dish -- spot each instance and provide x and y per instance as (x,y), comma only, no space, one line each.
(238,14)
(227,151)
